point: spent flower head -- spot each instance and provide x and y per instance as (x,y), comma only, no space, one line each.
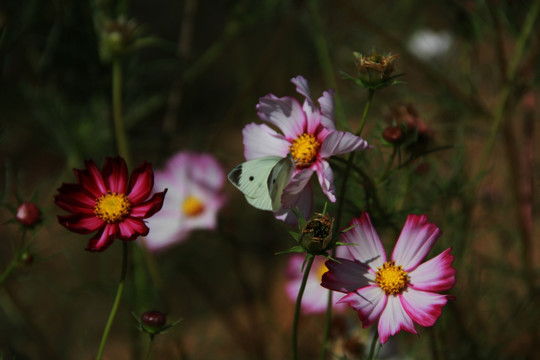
(395,293)
(109,202)
(374,70)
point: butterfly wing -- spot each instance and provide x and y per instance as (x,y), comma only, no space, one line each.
(279,178)
(251,178)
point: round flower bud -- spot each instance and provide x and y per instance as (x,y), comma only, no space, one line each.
(316,235)
(28,214)
(392,134)
(153,320)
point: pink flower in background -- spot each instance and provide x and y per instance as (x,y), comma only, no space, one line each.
(195,183)
(396,293)
(108,203)
(315,298)
(309,133)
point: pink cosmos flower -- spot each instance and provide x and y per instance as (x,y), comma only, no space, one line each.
(195,183)
(309,133)
(396,293)
(315,298)
(109,203)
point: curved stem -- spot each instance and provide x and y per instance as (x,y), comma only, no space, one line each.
(372,347)
(114,309)
(297,306)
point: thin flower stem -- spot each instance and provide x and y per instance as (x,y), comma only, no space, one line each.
(371,355)
(339,214)
(119,129)
(149,348)
(12,265)
(117,299)
(15,261)
(297,307)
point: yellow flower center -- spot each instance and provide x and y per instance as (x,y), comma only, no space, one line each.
(112,207)
(391,279)
(304,149)
(192,206)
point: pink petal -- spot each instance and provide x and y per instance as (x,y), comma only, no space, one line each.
(91,179)
(141,183)
(103,239)
(292,191)
(302,87)
(302,200)
(423,307)
(285,113)
(368,248)
(346,276)
(260,140)
(81,224)
(115,174)
(326,101)
(131,228)
(436,274)
(149,207)
(326,179)
(369,301)
(394,319)
(340,142)
(74,198)
(415,241)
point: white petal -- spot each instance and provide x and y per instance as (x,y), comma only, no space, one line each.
(260,140)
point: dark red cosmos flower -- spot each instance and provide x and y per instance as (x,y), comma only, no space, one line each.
(105,202)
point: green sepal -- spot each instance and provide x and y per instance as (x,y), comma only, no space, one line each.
(294,249)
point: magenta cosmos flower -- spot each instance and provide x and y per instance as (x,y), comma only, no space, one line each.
(315,298)
(308,133)
(108,203)
(396,293)
(195,183)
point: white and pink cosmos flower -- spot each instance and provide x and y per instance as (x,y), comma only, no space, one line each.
(399,292)
(308,132)
(195,182)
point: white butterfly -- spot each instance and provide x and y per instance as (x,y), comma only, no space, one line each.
(262,180)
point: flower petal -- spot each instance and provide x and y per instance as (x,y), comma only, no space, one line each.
(326,179)
(346,276)
(368,248)
(436,274)
(91,179)
(75,199)
(260,140)
(103,239)
(302,200)
(115,174)
(326,101)
(292,191)
(340,142)
(131,228)
(141,183)
(423,307)
(394,319)
(285,113)
(81,224)
(369,301)
(149,207)
(415,241)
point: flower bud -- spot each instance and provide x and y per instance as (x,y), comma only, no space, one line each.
(375,69)
(27,258)
(28,214)
(316,235)
(153,320)
(393,134)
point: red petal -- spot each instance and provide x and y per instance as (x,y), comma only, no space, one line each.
(115,174)
(150,207)
(81,224)
(141,183)
(91,179)
(103,239)
(74,198)
(131,228)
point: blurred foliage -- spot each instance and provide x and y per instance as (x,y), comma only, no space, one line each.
(192,82)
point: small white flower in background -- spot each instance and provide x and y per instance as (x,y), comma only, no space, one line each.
(195,183)
(426,43)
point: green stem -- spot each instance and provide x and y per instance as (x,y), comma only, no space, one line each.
(149,348)
(372,347)
(12,265)
(116,303)
(16,259)
(119,128)
(297,306)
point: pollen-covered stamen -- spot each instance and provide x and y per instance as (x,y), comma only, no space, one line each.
(391,279)
(192,206)
(112,207)
(304,149)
